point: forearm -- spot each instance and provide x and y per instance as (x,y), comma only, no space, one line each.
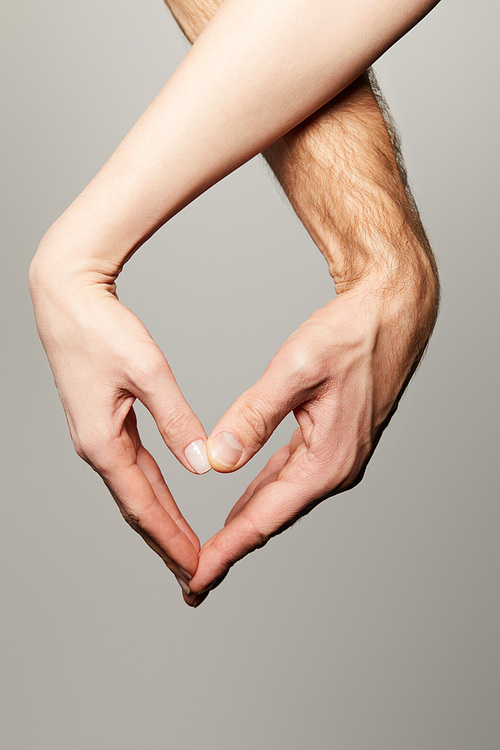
(239,88)
(343,173)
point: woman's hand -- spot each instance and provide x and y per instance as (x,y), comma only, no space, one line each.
(342,373)
(103,358)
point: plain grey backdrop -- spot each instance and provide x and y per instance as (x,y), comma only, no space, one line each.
(372,624)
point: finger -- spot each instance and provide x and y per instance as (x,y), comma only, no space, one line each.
(142,510)
(268,474)
(147,463)
(296,440)
(182,576)
(251,420)
(179,427)
(274,507)
(194,600)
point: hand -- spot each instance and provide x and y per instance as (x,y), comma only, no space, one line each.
(342,373)
(103,358)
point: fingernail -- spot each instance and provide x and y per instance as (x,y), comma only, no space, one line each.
(213,585)
(225,449)
(185,573)
(183,585)
(196,454)
(200,600)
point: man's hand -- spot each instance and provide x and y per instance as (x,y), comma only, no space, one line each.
(341,373)
(103,358)
(344,370)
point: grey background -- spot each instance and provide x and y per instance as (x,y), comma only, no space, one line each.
(373,623)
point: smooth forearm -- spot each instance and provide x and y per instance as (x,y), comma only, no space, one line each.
(240,87)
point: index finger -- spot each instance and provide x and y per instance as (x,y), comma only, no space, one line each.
(273,508)
(148,465)
(142,510)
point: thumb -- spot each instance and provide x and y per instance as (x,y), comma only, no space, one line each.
(251,420)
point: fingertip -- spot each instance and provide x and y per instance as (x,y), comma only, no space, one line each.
(224,451)
(200,599)
(197,458)
(184,586)
(194,600)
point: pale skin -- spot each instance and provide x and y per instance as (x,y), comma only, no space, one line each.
(342,372)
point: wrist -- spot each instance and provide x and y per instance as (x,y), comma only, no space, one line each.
(401,274)
(402,299)
(390,322)
(66,294)
(411,280)
(62,267)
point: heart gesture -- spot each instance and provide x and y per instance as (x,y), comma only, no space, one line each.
(343,371)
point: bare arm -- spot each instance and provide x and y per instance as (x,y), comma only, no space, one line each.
(101,355)
(284,62)
(343,172)
(343,371)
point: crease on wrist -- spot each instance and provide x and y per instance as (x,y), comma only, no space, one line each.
(60,264)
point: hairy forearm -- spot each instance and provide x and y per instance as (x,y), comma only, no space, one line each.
(343,172)
(279,65)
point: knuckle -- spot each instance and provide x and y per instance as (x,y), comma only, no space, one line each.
(135,518)
(304,363)
(252,422)
(347,470)
(354,479)
(148,369)
(260,536)
(175,425)
(95,450)
(354,475)
(84,446)
(80,447)
(131,519)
